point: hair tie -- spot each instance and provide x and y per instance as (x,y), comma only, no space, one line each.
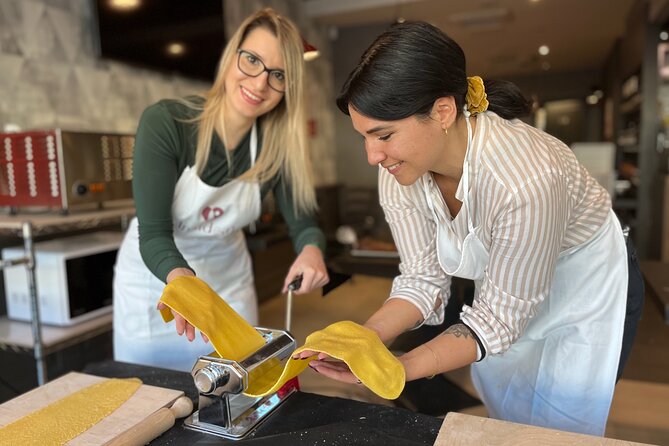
(476,98)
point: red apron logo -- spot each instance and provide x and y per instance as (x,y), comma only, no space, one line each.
(210,213)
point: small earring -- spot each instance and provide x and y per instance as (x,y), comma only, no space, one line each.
(445,131)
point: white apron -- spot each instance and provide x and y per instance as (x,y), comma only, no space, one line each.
(561,372)
(208,224)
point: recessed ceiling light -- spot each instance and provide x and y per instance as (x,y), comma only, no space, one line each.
(664,35)
(124,5)
(544,50)
(176,49)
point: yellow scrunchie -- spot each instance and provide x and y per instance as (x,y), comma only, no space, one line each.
(233,338)
(477,99)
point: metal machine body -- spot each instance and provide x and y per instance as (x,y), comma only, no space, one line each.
(60,169)
(223,408)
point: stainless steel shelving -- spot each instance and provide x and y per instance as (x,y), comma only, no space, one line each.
(30,225)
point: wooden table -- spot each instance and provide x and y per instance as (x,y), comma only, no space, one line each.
(463,430)
(656,275)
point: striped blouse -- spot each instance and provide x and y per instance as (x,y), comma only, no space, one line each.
(530,200)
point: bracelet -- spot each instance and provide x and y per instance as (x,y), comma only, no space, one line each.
(436,359)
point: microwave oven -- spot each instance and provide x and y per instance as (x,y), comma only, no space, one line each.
(74,278)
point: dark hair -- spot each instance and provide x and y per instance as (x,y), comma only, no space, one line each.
(408,67)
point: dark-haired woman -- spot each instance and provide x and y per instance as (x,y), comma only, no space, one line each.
(470,191)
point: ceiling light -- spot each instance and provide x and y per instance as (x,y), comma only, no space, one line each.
(664,35)
(544,50)
(176,49)
(124,5)
(591,99)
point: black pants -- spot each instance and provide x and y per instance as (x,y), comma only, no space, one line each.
(635,297)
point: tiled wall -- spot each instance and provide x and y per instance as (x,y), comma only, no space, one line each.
(50,75)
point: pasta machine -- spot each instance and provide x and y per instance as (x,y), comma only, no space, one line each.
(223,409)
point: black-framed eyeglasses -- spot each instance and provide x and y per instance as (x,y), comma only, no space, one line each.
(251,65)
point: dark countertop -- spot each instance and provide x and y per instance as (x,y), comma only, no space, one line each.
(265,236)
(304,419)
(373,266)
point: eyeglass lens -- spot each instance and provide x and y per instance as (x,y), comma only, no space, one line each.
(251,65)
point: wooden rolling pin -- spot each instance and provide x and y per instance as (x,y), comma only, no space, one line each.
(154,425)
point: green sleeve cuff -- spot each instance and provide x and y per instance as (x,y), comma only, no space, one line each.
(310,236)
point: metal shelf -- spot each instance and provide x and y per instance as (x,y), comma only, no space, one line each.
(27,226)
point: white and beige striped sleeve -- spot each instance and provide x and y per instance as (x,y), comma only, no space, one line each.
(527,226)
(421,281)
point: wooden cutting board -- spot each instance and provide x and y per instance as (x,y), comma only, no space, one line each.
(461,429)
(143,403)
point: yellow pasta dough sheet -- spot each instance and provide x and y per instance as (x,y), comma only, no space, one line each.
(233,338)
(62,420)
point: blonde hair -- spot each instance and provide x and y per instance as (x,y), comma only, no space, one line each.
(284,148)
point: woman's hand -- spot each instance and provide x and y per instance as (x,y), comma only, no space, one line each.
(182,325)
(304,354)
(312,267)
(335,369)
(329,367)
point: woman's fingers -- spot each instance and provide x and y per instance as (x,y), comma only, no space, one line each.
(312,267)
(309,353)
(304,354)
(311,280)
(182,325)
(179,322)
(336,370)
(190,332)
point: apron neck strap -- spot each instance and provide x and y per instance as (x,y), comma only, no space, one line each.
(465,171)
(254,143)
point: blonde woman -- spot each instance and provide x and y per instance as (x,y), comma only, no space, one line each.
(201,168)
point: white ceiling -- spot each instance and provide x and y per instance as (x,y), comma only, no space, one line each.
(501,37)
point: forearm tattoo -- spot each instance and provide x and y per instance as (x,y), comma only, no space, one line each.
(459,330)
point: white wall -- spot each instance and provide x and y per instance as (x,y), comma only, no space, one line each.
(51,76)
(352,167)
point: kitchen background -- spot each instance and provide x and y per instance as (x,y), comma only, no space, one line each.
(52,76)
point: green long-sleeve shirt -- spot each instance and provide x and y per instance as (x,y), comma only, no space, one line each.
(164,146)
